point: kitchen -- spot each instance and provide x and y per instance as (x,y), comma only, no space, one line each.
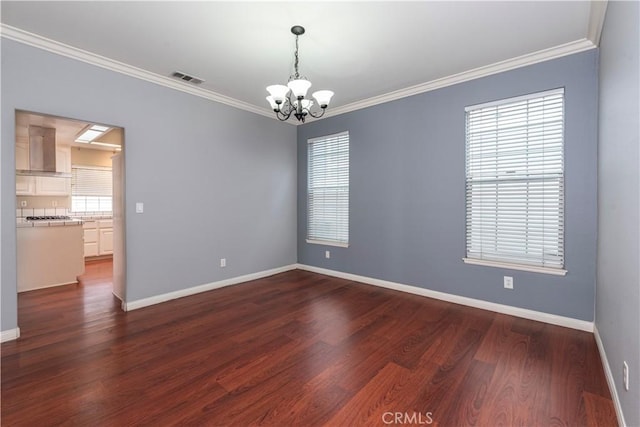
(69,198)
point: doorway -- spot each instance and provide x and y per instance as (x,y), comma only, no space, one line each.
(69,201)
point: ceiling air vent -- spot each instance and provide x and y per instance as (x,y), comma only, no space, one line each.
(187,78)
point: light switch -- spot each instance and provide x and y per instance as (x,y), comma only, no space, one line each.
(139,207)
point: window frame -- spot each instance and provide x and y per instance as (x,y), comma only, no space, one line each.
(494,260)
(93,195)
(320,241)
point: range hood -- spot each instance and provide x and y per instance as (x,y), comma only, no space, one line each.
(42,152)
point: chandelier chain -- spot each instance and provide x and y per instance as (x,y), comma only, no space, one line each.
(297,75)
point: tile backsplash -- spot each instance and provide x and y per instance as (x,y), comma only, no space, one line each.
(25,212)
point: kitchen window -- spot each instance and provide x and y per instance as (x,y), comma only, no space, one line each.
(328,190)
(91,189)
(515,183)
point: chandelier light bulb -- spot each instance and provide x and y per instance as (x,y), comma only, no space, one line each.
(278,93)
(299,87)
(323,97)
(272,102)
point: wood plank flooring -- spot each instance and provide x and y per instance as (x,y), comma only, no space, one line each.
(294,349)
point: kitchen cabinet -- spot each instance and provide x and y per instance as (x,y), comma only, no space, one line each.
(48,256)
(33,185)
(90,238)
(22,153)
(106,241)
(98,238)
(52,186)
(25,185)
(63,158)
(29,185)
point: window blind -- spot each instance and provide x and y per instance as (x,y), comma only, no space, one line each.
(91,181)
(515,180)
(91,189)
(328,189)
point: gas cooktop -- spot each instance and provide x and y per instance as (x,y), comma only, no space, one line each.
(48,218)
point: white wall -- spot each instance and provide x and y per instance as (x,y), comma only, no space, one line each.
(618,281)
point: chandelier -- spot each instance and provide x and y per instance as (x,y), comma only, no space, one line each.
(291,99)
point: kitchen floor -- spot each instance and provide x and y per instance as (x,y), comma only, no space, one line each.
(97,273)
(93,299)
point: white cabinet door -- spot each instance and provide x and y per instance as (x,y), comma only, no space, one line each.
(90,249)
(42,186)
(22,153)
(89,224)
(25,185)
(105,223)
(53,186)
(90,238)
(106,241)
(90,235)
(63,158)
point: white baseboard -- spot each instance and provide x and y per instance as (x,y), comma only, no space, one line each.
(609,375)
(157,299)
(539,316)
(74,282)
(10,335)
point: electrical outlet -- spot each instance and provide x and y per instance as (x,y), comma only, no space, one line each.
(23,203)
(625,375)
(327,254)
(508,282)
(223,262)
(54,203)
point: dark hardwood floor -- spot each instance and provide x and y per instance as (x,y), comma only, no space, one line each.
(295,349)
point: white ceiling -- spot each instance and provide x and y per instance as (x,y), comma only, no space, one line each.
(360,50)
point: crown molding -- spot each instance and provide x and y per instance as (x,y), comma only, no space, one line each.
(35,40)
(596,19)
(597,12)
(498,67)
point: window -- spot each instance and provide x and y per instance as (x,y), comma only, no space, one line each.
(515,183)
(91,189)
(328,190)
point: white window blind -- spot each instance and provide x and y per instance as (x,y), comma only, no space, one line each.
(328,189)
(91,189)
(515,180)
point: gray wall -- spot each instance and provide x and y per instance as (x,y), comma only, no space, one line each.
(618,284)
(407,188)
(216,181)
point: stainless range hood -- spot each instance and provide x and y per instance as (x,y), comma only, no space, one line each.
(42,152)
(42,149)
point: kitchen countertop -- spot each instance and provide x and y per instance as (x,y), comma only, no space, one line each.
(92,217)
(23,223)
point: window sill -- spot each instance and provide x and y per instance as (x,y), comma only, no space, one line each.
(328,243)
(522,267)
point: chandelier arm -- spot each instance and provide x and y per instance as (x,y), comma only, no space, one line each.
(317,116)
(282,116)
(291,102)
